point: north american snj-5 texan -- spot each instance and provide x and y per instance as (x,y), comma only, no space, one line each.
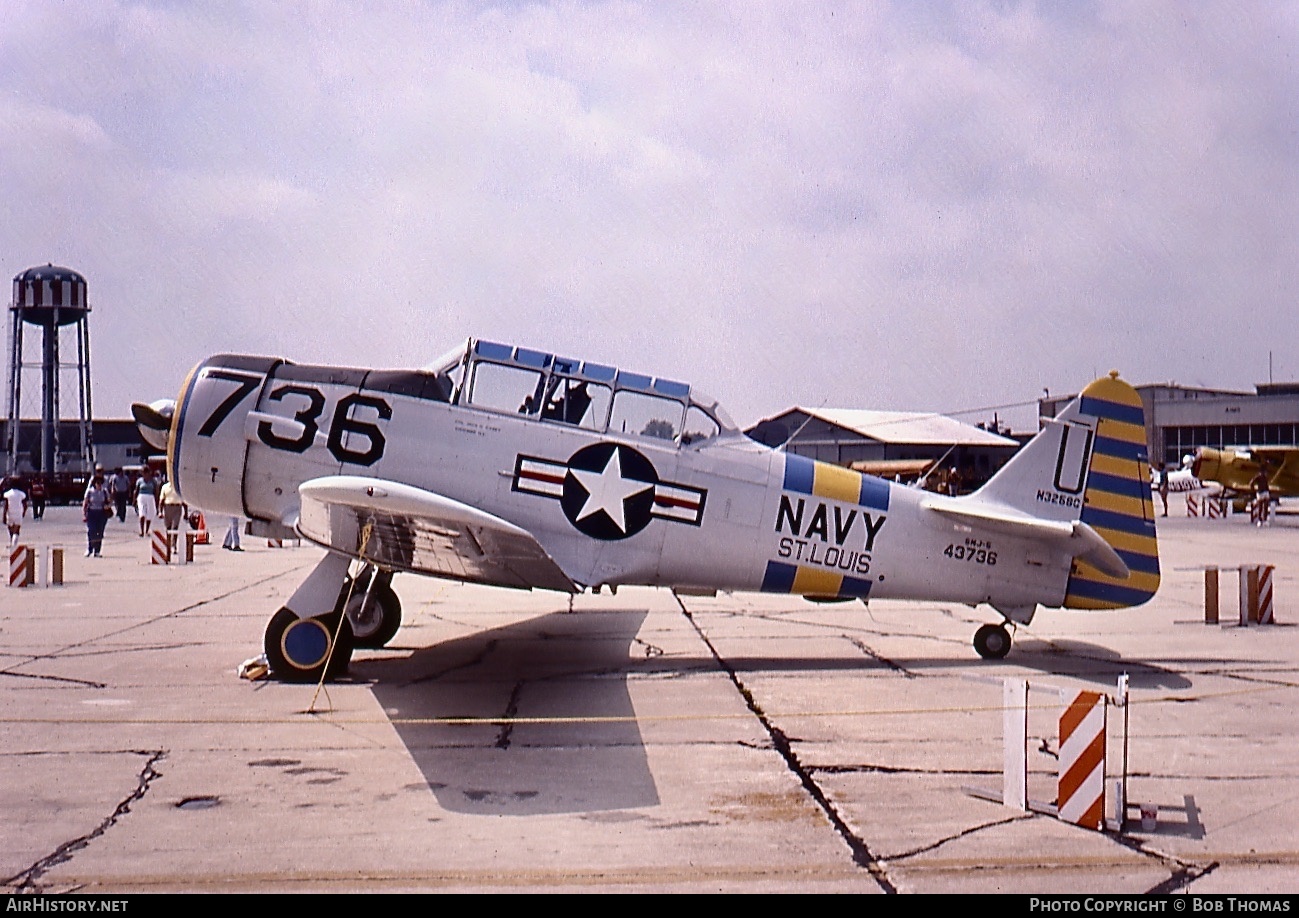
(514,467)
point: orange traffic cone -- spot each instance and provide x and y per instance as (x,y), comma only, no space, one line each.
(200,530)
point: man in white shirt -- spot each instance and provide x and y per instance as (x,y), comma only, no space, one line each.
(14,502)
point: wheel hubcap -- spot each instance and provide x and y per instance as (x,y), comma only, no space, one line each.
(305,643)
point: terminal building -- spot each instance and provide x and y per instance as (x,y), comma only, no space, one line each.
(1181,419)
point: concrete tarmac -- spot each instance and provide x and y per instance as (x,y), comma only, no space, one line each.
(510,741)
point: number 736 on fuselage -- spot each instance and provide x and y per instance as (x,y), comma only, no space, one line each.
(518,468)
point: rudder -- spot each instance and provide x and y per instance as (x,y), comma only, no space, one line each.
(1116,500)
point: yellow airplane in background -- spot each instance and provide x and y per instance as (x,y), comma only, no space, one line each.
(1236,468)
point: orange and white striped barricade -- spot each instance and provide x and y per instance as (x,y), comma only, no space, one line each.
(1080,776)
(1265,594)
(1256,594)
(159,547)
(274,543)
(1081,781)
(1217,508)
(22,566)
(1192,505)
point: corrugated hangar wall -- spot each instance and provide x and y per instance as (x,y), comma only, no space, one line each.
(1181,419)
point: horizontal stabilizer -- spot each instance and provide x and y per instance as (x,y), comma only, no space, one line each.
(1074,536)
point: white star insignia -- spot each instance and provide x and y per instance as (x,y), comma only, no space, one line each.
(607,490)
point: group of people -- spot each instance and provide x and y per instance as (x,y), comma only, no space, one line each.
(152,496)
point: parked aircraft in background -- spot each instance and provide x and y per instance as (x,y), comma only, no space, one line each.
(519,468)
(1235,469)
(1182,480)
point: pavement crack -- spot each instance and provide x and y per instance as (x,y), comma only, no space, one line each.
(965,833)
(1181,873)
(861,853)
(507,722)
(865,648)
(28,881)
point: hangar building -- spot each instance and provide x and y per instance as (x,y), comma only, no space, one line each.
(889,443)
(1180,419)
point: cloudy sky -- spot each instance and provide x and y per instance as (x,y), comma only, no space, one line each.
(937,206)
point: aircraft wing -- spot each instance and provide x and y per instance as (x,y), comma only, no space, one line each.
(1077,537)
(404,528)
(887,468)
(1282,463)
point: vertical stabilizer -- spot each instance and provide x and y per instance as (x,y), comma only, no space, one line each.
(1089,469)
(1117,502)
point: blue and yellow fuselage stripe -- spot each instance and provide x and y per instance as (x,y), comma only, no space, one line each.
(812,581)
(1117,501)
(829,482)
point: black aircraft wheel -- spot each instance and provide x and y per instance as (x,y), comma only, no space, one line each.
(992,642)
(378,624)
(297,649)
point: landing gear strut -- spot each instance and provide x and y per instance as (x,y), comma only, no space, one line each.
(309,638)
(992,641)
(372,607)
(331,608)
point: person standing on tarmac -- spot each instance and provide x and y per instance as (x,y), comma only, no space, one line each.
(172,507)
(37,494)
(95,511)
(146,501)
(13,506)
(231,542)
(119,487)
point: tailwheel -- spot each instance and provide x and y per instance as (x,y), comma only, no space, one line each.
(375,615)
(298,649)
(992,641)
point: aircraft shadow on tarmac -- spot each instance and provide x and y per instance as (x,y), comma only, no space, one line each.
(1094,663)
(535,717)
(527,719)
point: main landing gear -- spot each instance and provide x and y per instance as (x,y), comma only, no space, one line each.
(372,607)
(329,615)
(992,641)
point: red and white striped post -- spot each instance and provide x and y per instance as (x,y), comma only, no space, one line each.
(1265,594)
(159,547)
(1081,782)
(22,566)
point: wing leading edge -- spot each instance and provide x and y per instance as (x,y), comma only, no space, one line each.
(404,528)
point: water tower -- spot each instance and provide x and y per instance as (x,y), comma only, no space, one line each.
(52,299)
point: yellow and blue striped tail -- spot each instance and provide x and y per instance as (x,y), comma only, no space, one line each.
(1117,502)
